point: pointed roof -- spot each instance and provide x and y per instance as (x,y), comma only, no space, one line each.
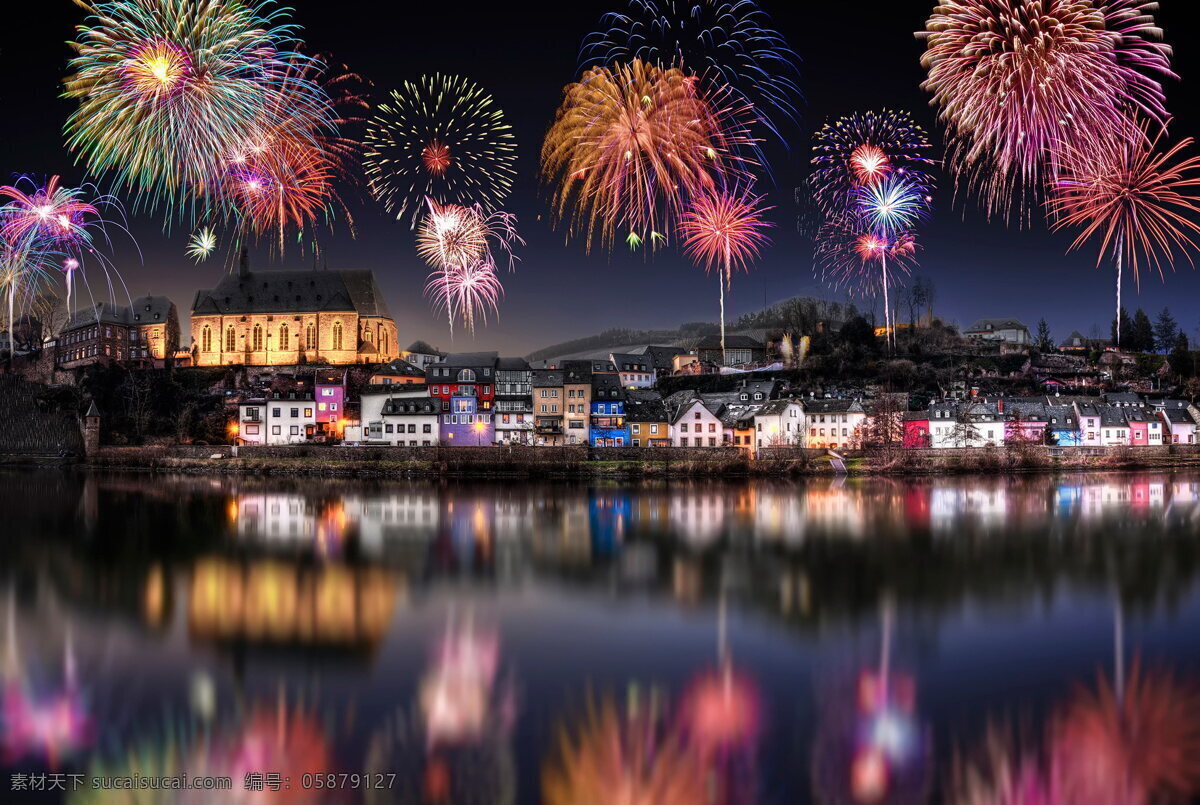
(92,411)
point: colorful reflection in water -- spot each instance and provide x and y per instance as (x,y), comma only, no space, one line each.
(974,640)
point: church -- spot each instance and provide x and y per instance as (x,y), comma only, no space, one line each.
(274,318)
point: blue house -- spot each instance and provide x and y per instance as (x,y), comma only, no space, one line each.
(1063,425)
(608,425)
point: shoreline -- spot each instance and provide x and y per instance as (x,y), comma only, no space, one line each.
(578,464)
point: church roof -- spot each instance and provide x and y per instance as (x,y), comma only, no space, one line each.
(308,291)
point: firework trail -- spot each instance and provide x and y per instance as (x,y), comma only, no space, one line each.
(1012,79)
(724,231)
(727,43)
(1141,201)
(468,290)
(440,137)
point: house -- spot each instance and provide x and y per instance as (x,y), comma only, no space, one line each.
(607,427)
(737,421)
(662,359)
(547,391)
(1010,331)
(646,415)
(779,423)
(514,403)
(397,372)
(1088,416)
(464,384)
(330,391)
(693,424)
(406,422)
(291,417)
(1178,425)
(372,400)
(145,334)
(759,392)
(272,318)
(1145,427)
(916,429)
(1025,420)
(252,421)
(966,424)
(577,390)
(635,371)
(421,355)
(1114,430)
(1078,344)
(1063,426)
(834,423)
(739,350)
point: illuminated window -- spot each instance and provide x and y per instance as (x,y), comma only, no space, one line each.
(230,339)
(257,338)
(284,343)
(206,339)
(310,336)
(337,335)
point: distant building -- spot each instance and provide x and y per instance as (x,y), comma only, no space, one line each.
(1010,331)
(739,350)
(662,359)
(577,393)
(272,318)
(421,355)
(144,334)
(635,371)
(397,372)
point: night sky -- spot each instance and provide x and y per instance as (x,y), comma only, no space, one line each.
(857,55)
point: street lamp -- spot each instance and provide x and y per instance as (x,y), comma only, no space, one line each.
(478,434)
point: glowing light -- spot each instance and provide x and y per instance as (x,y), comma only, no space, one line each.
(202,244)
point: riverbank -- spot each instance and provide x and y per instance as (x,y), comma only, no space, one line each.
(583,463)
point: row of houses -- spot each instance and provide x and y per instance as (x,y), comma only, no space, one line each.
(482,398)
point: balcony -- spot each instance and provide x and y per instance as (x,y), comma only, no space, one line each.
(547,428)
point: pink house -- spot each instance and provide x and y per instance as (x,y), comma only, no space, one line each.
(329,389)
(1145,428)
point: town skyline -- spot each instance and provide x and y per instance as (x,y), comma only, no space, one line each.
(1022,272)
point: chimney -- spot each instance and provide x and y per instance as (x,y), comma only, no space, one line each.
(244,263)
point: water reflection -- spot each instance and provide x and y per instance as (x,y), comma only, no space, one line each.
(837,641)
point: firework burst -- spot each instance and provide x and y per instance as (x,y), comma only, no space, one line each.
(202,244)
(1014,78)
(729,43)
(467,291)
(441,137)
(168,89)
(724,231)
(1139,200)
(630,143)
(862,148)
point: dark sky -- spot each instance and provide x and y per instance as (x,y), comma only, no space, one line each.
(856,56)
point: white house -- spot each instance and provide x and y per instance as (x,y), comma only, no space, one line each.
(406,422)
(374,398)
(1088,416)
(291,417)
(779,423)
(636,371)
(1114,429)
(1010,331)
(694,425)
(970,424)
(252,421)
(1178,425)
(833,423)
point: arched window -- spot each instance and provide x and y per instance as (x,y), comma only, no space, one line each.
(230,339)
(310,336)
(284,343)
(466,376)
(257,338)
(206,339)
(337,335)
(383,344)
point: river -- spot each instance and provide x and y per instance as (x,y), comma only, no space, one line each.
(850,640)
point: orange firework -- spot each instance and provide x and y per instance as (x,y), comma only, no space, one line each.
(628,759)
(629,143)
(1140,201)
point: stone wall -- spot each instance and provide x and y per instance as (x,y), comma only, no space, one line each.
(27,429)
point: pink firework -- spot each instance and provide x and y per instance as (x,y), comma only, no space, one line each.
(51,214)
(869,163)
(469,291)
(1140,201)
(724,231)
(1014,78)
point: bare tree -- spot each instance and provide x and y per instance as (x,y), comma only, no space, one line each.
(138,401)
